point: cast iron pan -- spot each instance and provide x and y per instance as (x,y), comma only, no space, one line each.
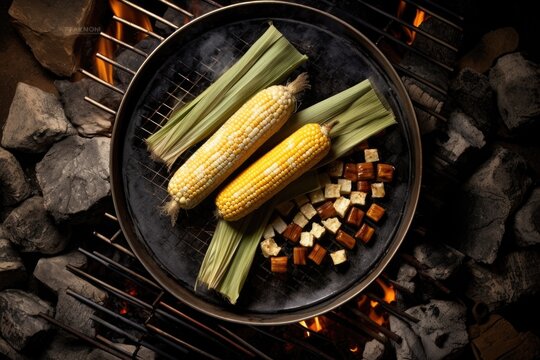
(180,68)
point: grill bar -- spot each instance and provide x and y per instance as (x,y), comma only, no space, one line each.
(102,82)
(137,27)
(149,13)
(115,64)
(354,326)
(100,105)
(123,44)
(435,15)
(177,8)
(374,326)
(111,242)
(420,79)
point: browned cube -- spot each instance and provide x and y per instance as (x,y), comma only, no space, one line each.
(355,217)
(317,254)
(350,172)
(345,239)
(365,233)
(278,264)
(327,210)
(299,255)
(375,212)
(363,186)
(385,172)
(366,171)
(292,232)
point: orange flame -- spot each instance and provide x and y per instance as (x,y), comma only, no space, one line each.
(105,47)
(389,296)
(316,325)
(419,18)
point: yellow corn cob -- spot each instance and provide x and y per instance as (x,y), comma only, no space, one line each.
(236,140)
(273,171)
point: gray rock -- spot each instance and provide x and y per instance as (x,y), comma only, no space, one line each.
(52,273)
(64,348)
(9,352)
(12,270)
(173,16)
(441,259)
(517,84)
(35,121)
(441,328)
(143,353)
(373,350)
(53,38)
(405,275)
(411,345)
(20,324)
(33,230)
(14,186)
(527,221)
(515,277)
(73,313)
(488,198)
(133,60)
(88,119)
(74,177)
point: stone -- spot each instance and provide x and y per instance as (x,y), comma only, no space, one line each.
(143,353)
(174,17)
(486,201)
(14,186)
(52,273)
(517,84)
(53,38)
(33,230)
(64,347)
(74,177)
(36,120)
(373,350)
(405,275)
(88,119)
(133,60)
(410,347)
(441,328)
(73,313)
(527,221)
(515,277)
(12,270)
(9,352)
(20,324)
(442,260)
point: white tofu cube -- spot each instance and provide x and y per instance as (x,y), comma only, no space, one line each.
(341,205)
(279,225)
(335,168)
(301,200)
(358,198)
(324,179)
(300,220)
(371,155)
(317,230)
(285,208)
(346,186)
(331,191)
(339,257)
(268,232)
(316,196)
(306,239)
(332,224)
(377,190)
(308,210)
(269,247)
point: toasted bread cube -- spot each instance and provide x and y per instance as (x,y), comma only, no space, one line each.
(331,191)
(371,155)
(335,168)
(375,212)
(269,247)
(377,190)
(301,200)
(350,172)
(268,232)
(346,186)
(345,239)
(285,208)
(300,220)
(307,239)
(299,256)
(317,254)
(342,205)
(355,217)
(363,186)
(324,179)
(332,224)
(339,257)
(317,230)
(365,233)
(385,172)
(308,211)
(278,264)
(326,210)
(366,171)
(358,198)
(292,232)
(279,225)
(316,196)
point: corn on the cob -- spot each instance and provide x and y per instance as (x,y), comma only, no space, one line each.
(273,171)
(232,144)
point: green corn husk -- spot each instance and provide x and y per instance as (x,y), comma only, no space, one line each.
(268,61)
(361,114)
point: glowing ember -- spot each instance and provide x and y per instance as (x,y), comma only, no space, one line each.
(419,18)
(123,311)
(116,29)
(354,349)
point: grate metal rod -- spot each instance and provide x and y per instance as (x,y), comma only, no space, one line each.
(115,63)
(443,9)
(435,15)
(428,110)
(139,28)
(420,79)
(376,327)
(149,13)
(113,244)
(354,326)
(392,309)
(123,44)
(102,82)
(100,105)
(177,8)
